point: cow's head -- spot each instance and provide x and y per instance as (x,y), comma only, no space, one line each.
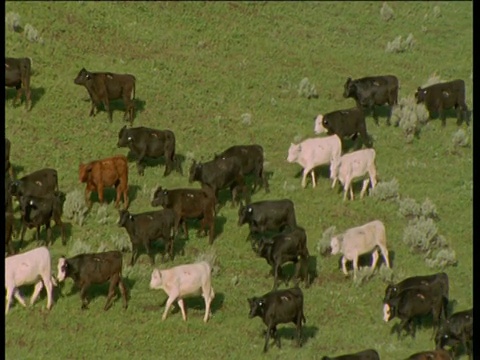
(124,216)
(84,172)
(15,188)
(195,172)
(389,312)
(349,89)
(293,152)
(124,138)
(156,281)
(390,292)
(336,244)
(82,77)
(257,307)
(318,127)
(420,95)
(62,269)
(160,197)
(244,214)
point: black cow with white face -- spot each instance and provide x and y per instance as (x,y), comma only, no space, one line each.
(457,330)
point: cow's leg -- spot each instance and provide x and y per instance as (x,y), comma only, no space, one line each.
(123,291)
(49,233)
(364,188)
(28,98)
(62,229)
(93,108)
(267,338)
(88,192)
(126,201)
(83,296)
(276,337)
(443,116)
(22,235)
(355,267)
(19,297)
(344,265)
(134,255)
(19,94)
(36,292)
(111,291)
(375,257)
(140,166)
(182,308)
(173,296)
(384,251)
(299,329)
(346,188)
(150,253)
(9,296)
(390,114)
(304,178)
(208,296)
(49,287)
(211,230)
(106,103)
(375,115)
(276,269)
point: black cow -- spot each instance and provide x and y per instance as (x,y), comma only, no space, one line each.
(94,268)
(188,204)
(431,355)
(251,158)
(37,211)
(457,330)
(283,248)
(8,164)
(372,91)
(414,303)
(105,86)
(267,215)
(439,280)
(39,183)
(344,123)
(219,174)
(147,142)
(9,219)
(17,74)
(279,307)
(369,354)
(147,227)
(443,96)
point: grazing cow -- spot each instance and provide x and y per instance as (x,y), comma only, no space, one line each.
(40,183)
(456,330)
(17,74)
(262,216)
(148,142)
(439,280)
(251,157)
(279,307)
(9,219)
(344,123)
(105,86)
(283,248)
(147,227)
(371,91)
(185,280)
(361,240)
(369,354)
(414,303)
(8,164)
(188,204)
(94,268)
(37,211)
(31,267)
(112,171)
(218,174)
(443,96)
(431,355)
(354,165)
(314,152)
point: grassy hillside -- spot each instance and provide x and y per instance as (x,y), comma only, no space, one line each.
(219,74)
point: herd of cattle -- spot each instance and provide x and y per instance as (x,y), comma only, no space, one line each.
(274,233)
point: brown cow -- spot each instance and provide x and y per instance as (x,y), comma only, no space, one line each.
(17,74)
(106,86)
(107,172)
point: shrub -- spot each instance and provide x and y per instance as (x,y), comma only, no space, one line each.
(459,139)
(436,11)
(306,89)
(12,21)
(409,116)
(80,247)
(409,208)
(386,274)
(121,242)
(103,247)
(399,46)
(422,235)
(32,34)
(103,216)
(210,257)
(363,275)
(386,191)
(442,259)
(75,207)
(246,119)
(429,210)
(386,12)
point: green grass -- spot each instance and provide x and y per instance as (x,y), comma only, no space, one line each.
(199,67)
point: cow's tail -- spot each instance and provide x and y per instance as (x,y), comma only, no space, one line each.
(133,90)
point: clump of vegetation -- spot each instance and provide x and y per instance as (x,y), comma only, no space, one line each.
(442,259)
(386,12)
(386,274)
(12,22)
(80,247)
(363,275)
(410,209)
(306,89)
(459,139)
(433,79)
(421,234)
(103,247)
(210,257)
(246,119)
(398,45)
(103,216)
(436,11)
(32,34)
(429,210)
(235,280)
(121,242)
(386,191)
(410,116)
(75,207)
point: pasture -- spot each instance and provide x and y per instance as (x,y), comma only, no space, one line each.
(219,74)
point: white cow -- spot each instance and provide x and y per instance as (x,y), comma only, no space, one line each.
(354,165)
(361,240)
(185,280)
(31,267)
(314,152)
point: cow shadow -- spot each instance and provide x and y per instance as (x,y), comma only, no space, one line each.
(148,162)
(220,222)
(382,111)
(118,105)
(36,95)
(289,332)
(225,199)
(56,235)
(365,260)
(198,303)
(110,194)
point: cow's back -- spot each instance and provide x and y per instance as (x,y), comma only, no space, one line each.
(26,268)
(189,278)
(110,170)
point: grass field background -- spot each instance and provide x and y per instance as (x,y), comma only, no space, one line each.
(219,74)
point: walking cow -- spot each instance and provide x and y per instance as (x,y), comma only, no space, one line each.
(17,74)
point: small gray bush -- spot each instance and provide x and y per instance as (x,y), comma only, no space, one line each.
(306,89)
(421,235)
(246,119)
(363,275)
(235,280)
(12,22)
(436,11)
(32,34)
(386,274)
(75,207)
(386,12)
(429,210)
(399,46)
(103,216)
(80,247)
(103,247)
(210,257)
(410,116)
(459,139)
(409,208)
(386,191)
(442,259)
(121,242)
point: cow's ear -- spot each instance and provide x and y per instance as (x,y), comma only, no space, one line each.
(31,202)
(130,217)
(88,77)
(130,138)
(419,88)
(249,209)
